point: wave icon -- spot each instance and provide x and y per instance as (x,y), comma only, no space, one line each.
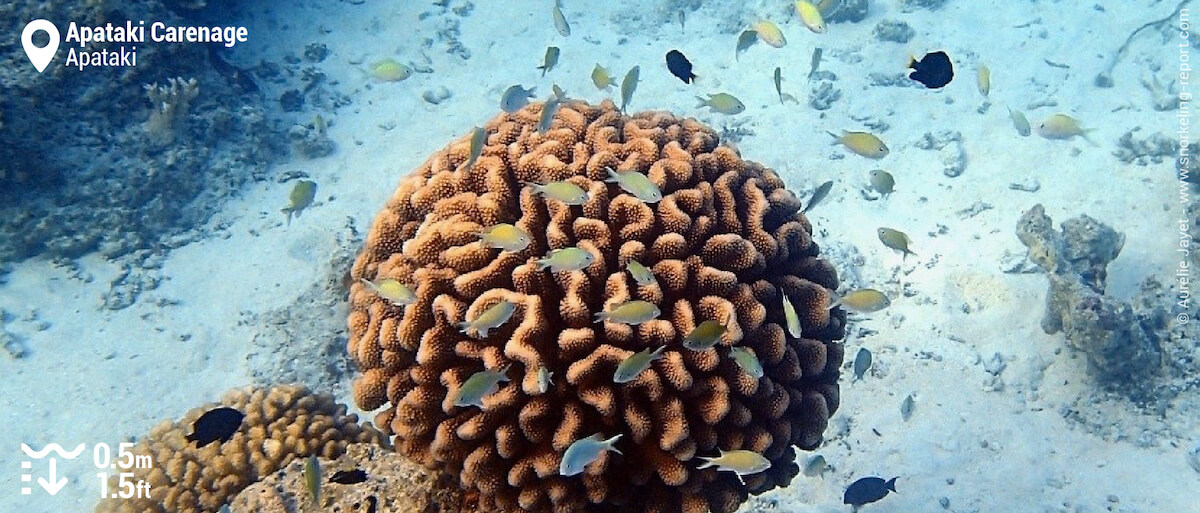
(58,449)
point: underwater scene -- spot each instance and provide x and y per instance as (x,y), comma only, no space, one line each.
(555,256)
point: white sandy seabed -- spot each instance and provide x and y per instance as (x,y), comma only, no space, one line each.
(97,375)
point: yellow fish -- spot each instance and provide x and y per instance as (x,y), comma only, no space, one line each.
(724,103)
(567,259)
(637,184)
(862,143)
(1062,126)
(491,318)
(896,240)
(789,315)
(983,79)
(396,293)
(388,70)
(1019,122)
(630,312)
(301,197)
(862,301)
(740,462)
(563,191)
(479,385)
(810,15)
(601,78)
(637,363)
(704,336)
(504,236)
(641,274)
(629,85)
(769,33)
(312,478)
(746,359)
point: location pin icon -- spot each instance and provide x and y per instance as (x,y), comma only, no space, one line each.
(40,57)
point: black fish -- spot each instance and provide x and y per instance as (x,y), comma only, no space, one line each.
(217,424)
(348,476)
(934,70)
(680,66)
(867,490)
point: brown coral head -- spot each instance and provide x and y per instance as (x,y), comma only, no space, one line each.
(725,242)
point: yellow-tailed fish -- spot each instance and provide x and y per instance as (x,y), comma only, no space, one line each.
(630,312)
(584,451)
(724,103)
(882,181)
(567,259)
(789,315)
(862,301)
(388,70)
(642,275)
(491,318)
(746,359)
(745,40)
(547,117)
(861,143)
(896,240)
(637,184)
(504,236)
(1019,122)
(478,137)
(704,336)
(478,386)
(983,79)
(635,364)
(628,86)
(560,21)
(301,198)
(312,478)
(563,191)
(810,16)
(515,97)
(741,462)
(544,379)
(818,194)
(769,33)
(550,60)
(601,78)
(396,293)
(1062,126)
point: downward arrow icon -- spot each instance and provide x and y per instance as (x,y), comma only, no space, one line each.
(52,486)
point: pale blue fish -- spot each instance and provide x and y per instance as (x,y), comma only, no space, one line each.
(515,98)
(637,184)
(567,259)
(548,111)
(789,314)
(544,379)
(630,312)
(633,366)
(491,318)
(746,359)
(479,385)
(478,138)
(584,452)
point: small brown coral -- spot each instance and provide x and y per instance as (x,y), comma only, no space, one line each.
(726,242)
(281,424)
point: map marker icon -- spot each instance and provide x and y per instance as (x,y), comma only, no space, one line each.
(40,57)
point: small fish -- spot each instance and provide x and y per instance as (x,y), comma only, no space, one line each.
(746,359)
(550,60)
(630,312)
(906,407)
(810,15)
(861,143)
(1019,122)
(515,97)
(312,478)
(815,466)
(504,236)
(355,476)
(741,462)
(490,319)
(724,103)
(642,275)
(559,93)
(584,452)
(934,70)
(779,83)
(704,336)
(396,293)
(789,315)
(868,490)
(560,21)
(769,33)
(882,181)
(637,363)
(815,64)
(682,21)
(388,70)
(745,40)
(567,259)
(479,385)
(818,195)
(301,198)
(827,6)
(478,137)
(862,363)
(680,66)
(216,425)
(563,191)
(637,184)
(628,86)
(896,240)
(601,78)
(1062,126)
(544,379)
(983,79)
(547,117)
(862,301)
